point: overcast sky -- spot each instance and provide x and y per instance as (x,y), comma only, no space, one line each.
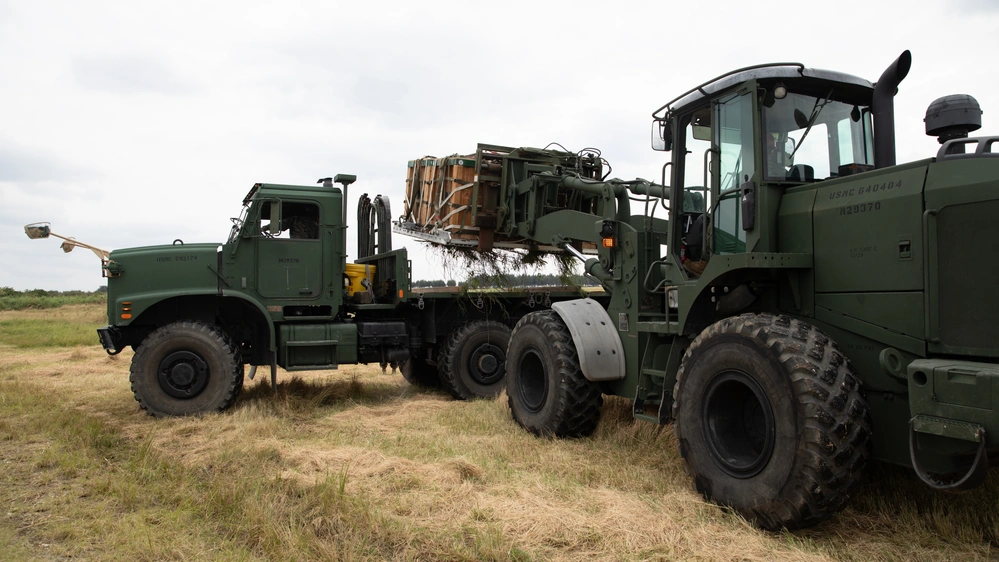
(135,123)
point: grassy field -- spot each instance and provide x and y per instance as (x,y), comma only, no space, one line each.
(357,465)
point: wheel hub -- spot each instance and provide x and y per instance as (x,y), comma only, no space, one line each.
(486,365)
(183,374)
(738,424)
(533,381)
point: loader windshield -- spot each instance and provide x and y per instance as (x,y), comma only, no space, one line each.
(808,138)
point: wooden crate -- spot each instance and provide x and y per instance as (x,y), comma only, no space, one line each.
(420,174)
(439,192)
(459,185)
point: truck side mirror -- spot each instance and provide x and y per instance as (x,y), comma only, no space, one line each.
(275,226)
(662,135)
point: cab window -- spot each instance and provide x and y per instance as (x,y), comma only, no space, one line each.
(298,221)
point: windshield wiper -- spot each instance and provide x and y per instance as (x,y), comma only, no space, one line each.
(799,119)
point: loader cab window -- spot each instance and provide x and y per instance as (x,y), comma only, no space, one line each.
(814,137)
(736,165)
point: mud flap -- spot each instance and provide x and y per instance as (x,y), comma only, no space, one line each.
(601,354)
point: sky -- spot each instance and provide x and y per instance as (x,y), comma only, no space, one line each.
(136,123)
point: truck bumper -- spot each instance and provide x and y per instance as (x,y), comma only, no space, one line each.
(109,339)
(955,414)
(961,391)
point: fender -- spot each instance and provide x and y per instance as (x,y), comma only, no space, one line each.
(601,354)
(263,311)
(143,301)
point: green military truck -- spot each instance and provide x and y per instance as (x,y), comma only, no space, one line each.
(279,292)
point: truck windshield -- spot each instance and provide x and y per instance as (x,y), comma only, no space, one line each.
(237,223)
(810,138)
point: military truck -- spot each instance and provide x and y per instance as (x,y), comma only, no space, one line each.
(279,292)
(801,304)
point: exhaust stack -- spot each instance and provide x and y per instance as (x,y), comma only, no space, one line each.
(883,108)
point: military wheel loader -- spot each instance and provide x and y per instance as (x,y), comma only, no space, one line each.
(794,302)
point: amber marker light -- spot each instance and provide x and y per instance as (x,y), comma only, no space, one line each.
(608,242)
(400,293)
(126,316)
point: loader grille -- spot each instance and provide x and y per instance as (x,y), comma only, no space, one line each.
(967,252)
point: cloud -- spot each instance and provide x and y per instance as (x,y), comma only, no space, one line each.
(976,6)
(22,165)
(130,74)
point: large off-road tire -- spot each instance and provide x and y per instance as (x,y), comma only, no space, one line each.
(418,372)
(547,391)
(186,368)
(473,363)
(770,420)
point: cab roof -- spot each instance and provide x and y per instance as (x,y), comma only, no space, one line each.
(282,187)
(787,70)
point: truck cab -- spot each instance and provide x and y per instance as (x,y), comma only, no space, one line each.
(277,292)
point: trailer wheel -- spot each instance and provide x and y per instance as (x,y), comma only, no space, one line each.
(473,364)
(186,368)
(547,391)
(418,372)
(770,420)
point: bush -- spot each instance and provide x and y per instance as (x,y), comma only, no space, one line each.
(11,299)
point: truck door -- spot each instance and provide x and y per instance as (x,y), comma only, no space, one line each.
(290,263)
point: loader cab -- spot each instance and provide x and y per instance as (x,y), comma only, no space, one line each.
(741,140)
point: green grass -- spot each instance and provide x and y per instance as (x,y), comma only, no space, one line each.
(34,333)
(34,320)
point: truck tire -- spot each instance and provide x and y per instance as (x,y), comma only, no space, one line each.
(473,364)
(418,372)
(548,394)
(770,420)
(186,368)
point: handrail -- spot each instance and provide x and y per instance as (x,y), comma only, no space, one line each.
(801,69)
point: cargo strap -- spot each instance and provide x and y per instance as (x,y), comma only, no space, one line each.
(974,477)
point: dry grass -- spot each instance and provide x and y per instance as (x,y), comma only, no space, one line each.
(356,464)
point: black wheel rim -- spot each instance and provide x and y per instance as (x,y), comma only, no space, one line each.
(533,380)
(487,364)
(183,374)
(738,424)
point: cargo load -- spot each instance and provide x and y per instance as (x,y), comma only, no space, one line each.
(460,200)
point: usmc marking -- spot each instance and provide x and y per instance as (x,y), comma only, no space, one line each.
(873,188)
(177,258)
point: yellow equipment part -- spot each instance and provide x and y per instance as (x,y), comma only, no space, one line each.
(356,273)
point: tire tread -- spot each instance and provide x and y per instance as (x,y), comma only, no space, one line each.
(578,410)
(222,341)
(835,427)
(450,378)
